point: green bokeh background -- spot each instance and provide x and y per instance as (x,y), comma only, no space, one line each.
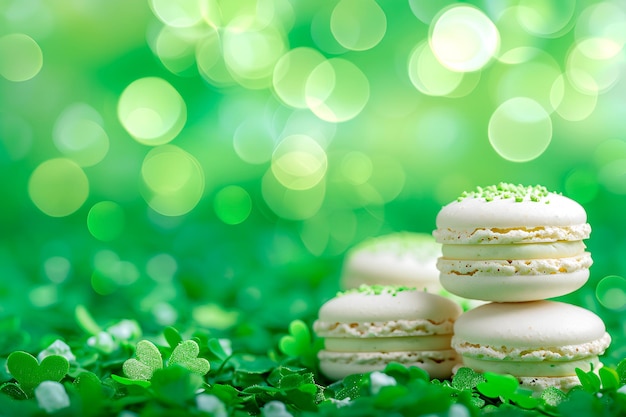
(250,254)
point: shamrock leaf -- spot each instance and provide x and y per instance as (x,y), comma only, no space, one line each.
(298,341)
(467,379)
(497,385)
(590,381)
(148,359)
(609,378)
(176,385)
(29,373)
(186,354)
(13,390)
(506,387)
(172,336)
(217,348)
(621,371)
(299,344)
(553,396)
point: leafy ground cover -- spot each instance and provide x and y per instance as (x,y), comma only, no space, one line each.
(117,370)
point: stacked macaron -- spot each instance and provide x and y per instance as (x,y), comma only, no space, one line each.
(512,243)
(402,258)
(516,246)
(364,329)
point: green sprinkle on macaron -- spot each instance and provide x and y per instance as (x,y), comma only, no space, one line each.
(504,191)
(376,290)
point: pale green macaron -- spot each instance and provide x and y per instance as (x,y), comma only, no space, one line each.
(539,342)
(367,328)
(401,258)
(510,242)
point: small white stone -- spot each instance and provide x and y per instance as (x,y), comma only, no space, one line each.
(379,380)
(51,396)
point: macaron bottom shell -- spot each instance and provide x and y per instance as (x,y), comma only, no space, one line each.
(337,365)
(514,288)
(532,369)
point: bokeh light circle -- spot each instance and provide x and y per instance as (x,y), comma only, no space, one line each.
(533,79)
(517,45)
(321,32)
(253,142)
(162,267)
(306,123)
(464,39)
(173,180)
(604,20)
(210,60)
(176,50)
(79,135)
(106,220)
(291,73)
(429,75)
(613,176)
(20,57)
(292,204)
(232,204)
(299,162)
(358,25)
(179,13)
(520,129)
(337,90)
(594,65)
(251,50)
(58,187)
(152,111)
(611,292)
(569,102)
(546,18)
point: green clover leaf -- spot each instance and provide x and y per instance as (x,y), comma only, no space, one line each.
(609,378)
(299,344)
(186,354)
(29,373)
(506,387)
(497,385)
(590,381)
(172,336)
(148,359)
(298,341)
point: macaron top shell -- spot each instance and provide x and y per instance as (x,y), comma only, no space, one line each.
(383,303)
(474,212)
(532,325)
(402,258)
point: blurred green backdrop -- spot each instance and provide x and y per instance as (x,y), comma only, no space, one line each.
(207,163)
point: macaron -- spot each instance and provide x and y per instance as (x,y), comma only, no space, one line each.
(402,258)
(510,242)
(364,329)
(539,342)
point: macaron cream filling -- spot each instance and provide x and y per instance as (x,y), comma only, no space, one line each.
(507,235)
(514,251)
(515,266)
(391,328)
(388,344)
(533,354)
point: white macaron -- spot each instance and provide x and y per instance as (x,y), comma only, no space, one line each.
(367,328)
